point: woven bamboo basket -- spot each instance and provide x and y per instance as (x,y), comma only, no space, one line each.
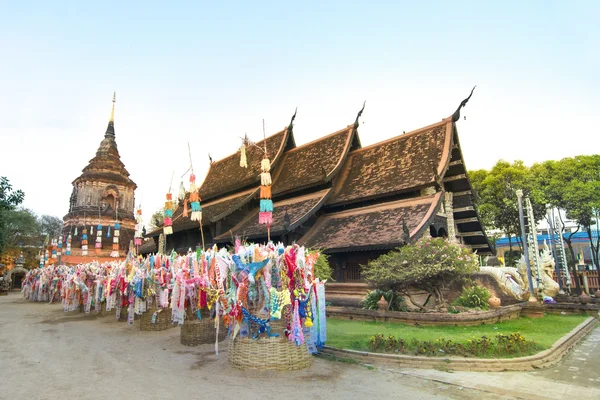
(113,312)
(269,353)
(195,332)
(274,354)
(81,309)
(103,311)
(163,320)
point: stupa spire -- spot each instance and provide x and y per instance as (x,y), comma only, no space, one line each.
(112,113)
(110,129)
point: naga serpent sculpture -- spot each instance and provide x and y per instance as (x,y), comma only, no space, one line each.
(513,281)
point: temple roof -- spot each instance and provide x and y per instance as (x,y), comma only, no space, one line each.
(375,227)
(107,166)
(298,210)
(313,163)
(211,211)
(149,246)
(226,176)
(404,163)
(466,215)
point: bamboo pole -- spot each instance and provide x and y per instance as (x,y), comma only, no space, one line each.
(202,234)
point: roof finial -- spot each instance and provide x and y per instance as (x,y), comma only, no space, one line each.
(456,115)
(359,114)
(293,118)
(112,113)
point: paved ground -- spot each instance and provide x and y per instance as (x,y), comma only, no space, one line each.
(49,354)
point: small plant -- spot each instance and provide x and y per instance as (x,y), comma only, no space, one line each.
(474,297)
(391,343)
(394,300)
(502,346)
(513,343)
(377,342)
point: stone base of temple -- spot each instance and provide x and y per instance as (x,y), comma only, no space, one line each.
(346,294)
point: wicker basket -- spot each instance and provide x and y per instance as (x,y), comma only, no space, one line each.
(113,312)
(163,320)
(103,311)
(195,332)
(274,353)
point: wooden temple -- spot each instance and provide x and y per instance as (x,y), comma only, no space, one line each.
(102,195)
(352,202)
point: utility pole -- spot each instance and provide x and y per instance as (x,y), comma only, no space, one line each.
(553,246)
(524,241)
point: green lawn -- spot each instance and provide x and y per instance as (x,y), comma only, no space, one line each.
(545,331)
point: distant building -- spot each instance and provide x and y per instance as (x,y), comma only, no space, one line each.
(102,195)
(580,242)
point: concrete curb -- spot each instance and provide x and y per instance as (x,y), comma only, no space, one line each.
(544,359)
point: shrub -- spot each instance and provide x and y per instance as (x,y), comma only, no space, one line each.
(502,345)
(429,264)
(474,297)
(394,300)
(377,342)
(323,270)
(391,343)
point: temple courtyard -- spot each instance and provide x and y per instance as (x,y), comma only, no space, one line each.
(48,354)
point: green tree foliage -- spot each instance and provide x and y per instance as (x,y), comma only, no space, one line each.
(9,199)
(323,270)
(573,185)
(23,235)
(496,198)
(429,264)
(157,219)
(50,225)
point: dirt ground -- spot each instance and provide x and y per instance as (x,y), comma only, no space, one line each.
(46,353)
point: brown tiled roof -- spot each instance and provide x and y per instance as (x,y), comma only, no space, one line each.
(107,165)
(313,163)
(299,209)
(226,175)
(374,227)
(397,165)
(149,246)
(211,211)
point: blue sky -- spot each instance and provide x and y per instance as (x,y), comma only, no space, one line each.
(207,73)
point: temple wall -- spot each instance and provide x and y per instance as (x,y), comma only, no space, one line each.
(91,194)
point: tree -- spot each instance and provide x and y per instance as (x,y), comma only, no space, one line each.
(157,219)
(485,209)
(495,196)
(429,264)
(23,235)
(9,199)
(50,225)
(573,185)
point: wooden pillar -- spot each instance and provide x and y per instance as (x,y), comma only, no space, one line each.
(448,205)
